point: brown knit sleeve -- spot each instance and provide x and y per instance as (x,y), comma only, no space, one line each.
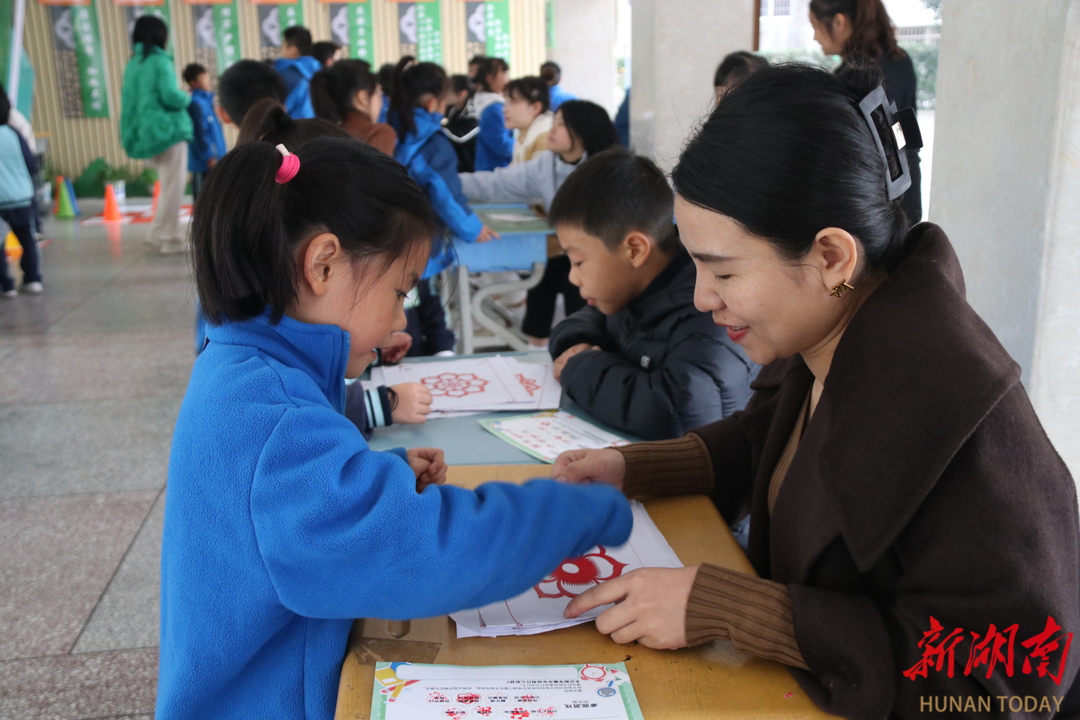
(754,613)
(383,138)
(667,467)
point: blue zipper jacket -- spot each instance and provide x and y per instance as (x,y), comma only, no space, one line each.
(431,161)
(281,526)
(208,141)
(557,96)
(297,74)
(494,142)
(16,165)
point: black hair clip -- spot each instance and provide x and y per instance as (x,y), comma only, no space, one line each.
(893,131)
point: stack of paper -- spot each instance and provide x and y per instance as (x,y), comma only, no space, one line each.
(540,609)
(548,434)
(473,385)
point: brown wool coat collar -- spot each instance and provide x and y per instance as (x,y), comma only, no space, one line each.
(897,406)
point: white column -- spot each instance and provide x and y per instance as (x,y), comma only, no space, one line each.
(1007,187)
(677,45)
(585,49)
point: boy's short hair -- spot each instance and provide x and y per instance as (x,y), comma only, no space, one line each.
(192,72)
(324,50)
(615,193)
(299,37)
(244,83)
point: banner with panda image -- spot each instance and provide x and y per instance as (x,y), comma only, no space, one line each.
(80,60)
(420,30)
(217,35)
(275,17)
(351,27)
(135,9)
(487,29)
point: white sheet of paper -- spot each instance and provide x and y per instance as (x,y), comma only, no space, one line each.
(547,434)
(466,384)
(540,609)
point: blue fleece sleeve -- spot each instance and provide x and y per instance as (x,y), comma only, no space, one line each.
(462,221)
(496,139)
(343,532)
(199,149)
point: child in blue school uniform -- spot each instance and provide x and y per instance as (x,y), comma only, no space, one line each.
(494,141)
(281,525)
(207,145)
(296,67)
(17,165)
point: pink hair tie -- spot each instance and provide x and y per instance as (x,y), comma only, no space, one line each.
(290,165)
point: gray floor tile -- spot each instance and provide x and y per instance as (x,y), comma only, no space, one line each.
(100,446)
(127,614)
(69,548)
(166,306)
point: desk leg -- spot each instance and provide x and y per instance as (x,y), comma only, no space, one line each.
(509,336)
(398,628)
(465,310)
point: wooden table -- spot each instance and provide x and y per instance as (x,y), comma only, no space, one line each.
(709,681)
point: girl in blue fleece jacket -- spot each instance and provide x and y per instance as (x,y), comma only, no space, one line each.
(281,525)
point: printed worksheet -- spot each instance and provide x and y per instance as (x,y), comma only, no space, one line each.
(412,691)
(547,434)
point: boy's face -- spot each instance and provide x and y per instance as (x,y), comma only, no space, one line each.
(202,82)
(603,275)
(289,52)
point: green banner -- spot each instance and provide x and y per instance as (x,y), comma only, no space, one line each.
(549,24)
(7,20)
(217,35)
(429,31)
(497,24)
(351,27)
(273,19)
(290,15)
(80,60)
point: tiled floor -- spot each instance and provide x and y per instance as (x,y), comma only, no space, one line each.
(91,376)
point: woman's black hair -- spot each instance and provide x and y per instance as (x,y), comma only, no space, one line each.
(268,120)
(736,66)
(334,88)
(872,32)
(488,66)
(246,227)
(788,154)
(590,124)
(413,81)
(5,106)
(531,90)
(152,32)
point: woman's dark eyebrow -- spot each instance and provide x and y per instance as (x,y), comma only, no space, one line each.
(707,258)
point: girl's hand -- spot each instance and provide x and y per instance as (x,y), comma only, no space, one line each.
(651,606)
(581,466)
(400,342)
(570,352)
(486,234)
(413,405)
(428,465)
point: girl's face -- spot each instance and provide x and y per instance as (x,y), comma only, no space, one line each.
(369,103)
(772,307)
(498,81)
(364,298)
(519,113)
(560,139)
(831,35)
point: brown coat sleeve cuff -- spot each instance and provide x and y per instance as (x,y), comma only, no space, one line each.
(754,613)
(668,467)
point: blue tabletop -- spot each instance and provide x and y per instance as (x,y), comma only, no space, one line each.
(463,440)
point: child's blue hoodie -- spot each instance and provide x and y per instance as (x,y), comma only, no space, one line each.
(281,526)
(297,74)
(431,161)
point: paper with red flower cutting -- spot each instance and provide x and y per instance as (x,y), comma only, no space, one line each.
(540,609)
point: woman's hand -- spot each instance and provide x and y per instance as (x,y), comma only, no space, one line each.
(580,466)
(486,234)
(413,405)
(651,606)
(570,352)
(400,342)
(428,465)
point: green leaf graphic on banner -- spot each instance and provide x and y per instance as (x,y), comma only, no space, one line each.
(498,29)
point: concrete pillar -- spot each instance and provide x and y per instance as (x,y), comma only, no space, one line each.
(585,49)
(676,47)
(1007,187)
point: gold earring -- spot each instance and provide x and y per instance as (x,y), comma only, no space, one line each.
(840,288)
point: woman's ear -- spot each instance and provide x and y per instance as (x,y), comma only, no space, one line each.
(321,262)
(836,254)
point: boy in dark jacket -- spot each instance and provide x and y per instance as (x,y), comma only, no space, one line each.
(641,357)
(207,145)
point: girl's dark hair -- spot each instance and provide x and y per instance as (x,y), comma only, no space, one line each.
(589,123)
(5,106)
(246,227)
(333,88)
(385,77)
(550,72)
(531,90)
(736,66)
(151,32)
(413,81)
(872,33)
(488,66)
(460,83)
(268,120)
(787,154)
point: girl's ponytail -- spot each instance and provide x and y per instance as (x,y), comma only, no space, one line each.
(326,96)
(401,100)
(263,118)
(240,248)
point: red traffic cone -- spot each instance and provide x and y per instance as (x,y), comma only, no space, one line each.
(157,193)
(112,209)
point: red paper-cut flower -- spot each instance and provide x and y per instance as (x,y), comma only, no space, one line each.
(455,384)
(577,575)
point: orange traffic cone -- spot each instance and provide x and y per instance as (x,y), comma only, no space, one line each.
(112,209)
(157,193)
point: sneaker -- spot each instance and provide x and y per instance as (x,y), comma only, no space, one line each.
(33,288)
(173,247)
(9,293)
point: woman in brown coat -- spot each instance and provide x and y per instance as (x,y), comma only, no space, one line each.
(348,94)
(914,532)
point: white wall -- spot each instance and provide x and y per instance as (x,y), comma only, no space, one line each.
(585,49)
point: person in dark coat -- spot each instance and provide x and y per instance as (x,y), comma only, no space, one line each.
(861,33)
(640,357)
(914,532)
